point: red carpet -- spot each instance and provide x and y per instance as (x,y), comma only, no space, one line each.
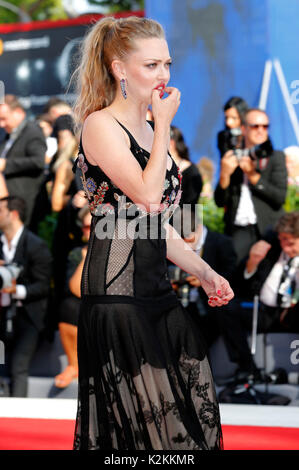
(36,434)
(57,434)
(260,438)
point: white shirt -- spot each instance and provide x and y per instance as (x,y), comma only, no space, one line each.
(269,290)
(245,213)
(8,255)
(51,146)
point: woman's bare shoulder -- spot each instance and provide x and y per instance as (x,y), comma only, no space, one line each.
(99,119)
(102,125)
(103,138)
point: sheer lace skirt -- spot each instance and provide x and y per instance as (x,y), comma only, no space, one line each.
(144,381)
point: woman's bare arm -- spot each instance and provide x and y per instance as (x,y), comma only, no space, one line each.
(105,145)
(63,179)
(178,252)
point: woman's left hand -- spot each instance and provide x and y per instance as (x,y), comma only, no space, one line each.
(217,288)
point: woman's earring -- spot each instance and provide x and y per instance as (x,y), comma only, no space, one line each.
(123,88)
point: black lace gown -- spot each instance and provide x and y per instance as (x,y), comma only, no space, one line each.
(144,378)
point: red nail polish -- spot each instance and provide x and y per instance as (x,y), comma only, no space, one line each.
(219,292)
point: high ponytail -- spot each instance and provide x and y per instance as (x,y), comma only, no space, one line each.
(107,39)
(95,86)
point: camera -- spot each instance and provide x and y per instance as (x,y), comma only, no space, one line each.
(235,139)
(288,293)
(178,276)
(8,272)
(230,139)
(256,153)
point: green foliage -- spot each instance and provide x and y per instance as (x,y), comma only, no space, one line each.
(39,10)
(47,227)
(292,198)
(119,5)
(212,215)
(36,9)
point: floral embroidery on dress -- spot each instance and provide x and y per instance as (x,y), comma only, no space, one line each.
(98,198)
(81,163)
(91,185)
(178,198)
(172,196)
(175,181)
(180,176)
(96,194)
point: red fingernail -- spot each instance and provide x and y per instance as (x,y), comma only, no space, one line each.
(219,292)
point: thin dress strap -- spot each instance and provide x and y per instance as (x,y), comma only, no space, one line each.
(132,139)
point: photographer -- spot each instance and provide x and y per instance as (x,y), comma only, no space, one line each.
(252,185)
(22,154)
(270,271)
(234,115)
(24,299)
(218,251)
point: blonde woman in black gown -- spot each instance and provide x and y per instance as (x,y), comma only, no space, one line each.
(144,378)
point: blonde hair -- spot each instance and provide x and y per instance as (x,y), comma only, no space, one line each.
(68,152)
(108,39)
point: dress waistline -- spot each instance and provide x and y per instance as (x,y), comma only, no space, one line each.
(166,301)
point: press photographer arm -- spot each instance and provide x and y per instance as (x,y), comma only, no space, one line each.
(229,163)
(10,289)
(9,273)
(178,252)
(248,167)
(256,254)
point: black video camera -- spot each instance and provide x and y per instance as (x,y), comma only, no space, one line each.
(178,276)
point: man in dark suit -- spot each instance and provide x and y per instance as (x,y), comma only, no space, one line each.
(271,271)
(252,190)
(22,153)
(24,302)
(218,251)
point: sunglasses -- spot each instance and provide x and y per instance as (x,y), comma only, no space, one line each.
(256,126)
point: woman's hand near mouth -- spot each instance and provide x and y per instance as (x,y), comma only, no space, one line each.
(165,110)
